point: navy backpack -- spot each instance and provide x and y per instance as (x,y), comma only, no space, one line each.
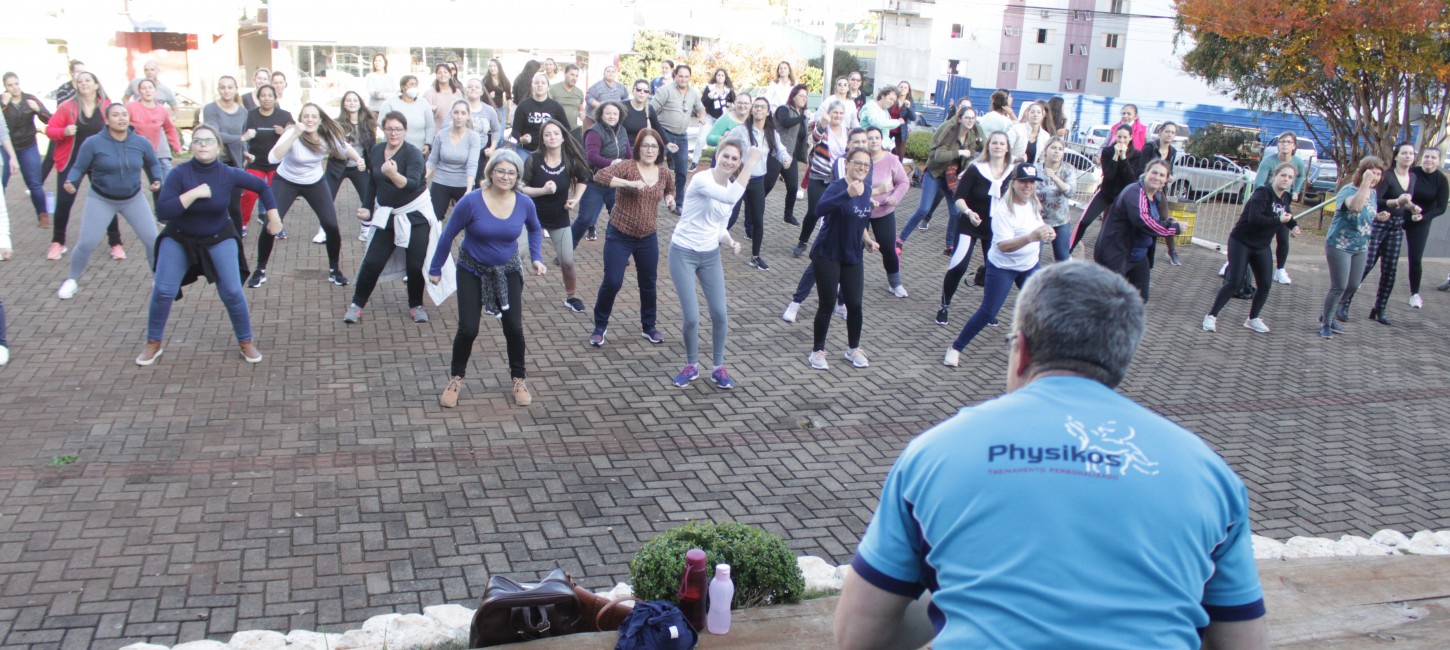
(656,625)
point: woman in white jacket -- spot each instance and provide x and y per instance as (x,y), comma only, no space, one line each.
(1029,136)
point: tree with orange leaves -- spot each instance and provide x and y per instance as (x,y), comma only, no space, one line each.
(1372,70)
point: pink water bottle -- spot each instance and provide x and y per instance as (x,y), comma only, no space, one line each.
(692,589)
(722,592)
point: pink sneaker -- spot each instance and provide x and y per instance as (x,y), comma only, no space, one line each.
(55,252)
(118,253)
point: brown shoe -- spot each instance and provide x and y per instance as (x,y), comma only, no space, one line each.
(249,352)
(149,354)
(521,393)
(43,220)
(449,398)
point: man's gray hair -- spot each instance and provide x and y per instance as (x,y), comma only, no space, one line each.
(1081,318)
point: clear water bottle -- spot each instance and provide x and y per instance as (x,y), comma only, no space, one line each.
(722,592)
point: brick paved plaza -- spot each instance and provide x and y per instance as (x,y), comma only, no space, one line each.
(325,485)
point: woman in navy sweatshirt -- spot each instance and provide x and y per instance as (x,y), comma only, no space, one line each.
(201,239)
(845,211)
(490,277)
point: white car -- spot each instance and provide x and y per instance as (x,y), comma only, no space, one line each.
(1194,178)
(1097,136)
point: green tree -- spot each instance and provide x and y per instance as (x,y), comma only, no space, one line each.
(651,47)
(1371,71)
(844,64)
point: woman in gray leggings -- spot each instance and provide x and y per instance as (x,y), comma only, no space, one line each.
(1347,243)
(695,254)
(114,159)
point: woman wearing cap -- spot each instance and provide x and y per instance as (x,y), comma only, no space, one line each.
(1017,235)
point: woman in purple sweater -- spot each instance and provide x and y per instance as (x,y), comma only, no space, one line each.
(490,277)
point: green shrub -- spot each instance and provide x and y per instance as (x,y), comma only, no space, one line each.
(762,566)
(918,145)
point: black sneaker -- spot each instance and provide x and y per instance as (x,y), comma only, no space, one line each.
(591,235)
(336,277)
(993,322)
(259,278)
(574,304)
(790,219)
(653,336)
(758,263)
(941,316)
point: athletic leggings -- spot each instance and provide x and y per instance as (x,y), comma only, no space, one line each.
(814,190)
(64,201)
(470,310)
(1417,234)
(337,172)
(1346,270)
(1384,247)
(791,173)
(318,197)
(1281,245)
(1099,204)
(1240,258)
(98,209)
(444,196)
(852,279)
(884,229)
(957,268)
(754,204)
(380,249)
(249,198)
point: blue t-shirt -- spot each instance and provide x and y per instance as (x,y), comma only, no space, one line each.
(1064,515)
(488,239)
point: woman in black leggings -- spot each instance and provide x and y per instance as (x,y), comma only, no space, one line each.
(845,211)
(979,185)
(1248,246)
(1119,163)
(1432,190)
(360,128)
(301,157)
(395,200)
(1394,195)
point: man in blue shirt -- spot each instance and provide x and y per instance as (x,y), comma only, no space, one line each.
(1061,514)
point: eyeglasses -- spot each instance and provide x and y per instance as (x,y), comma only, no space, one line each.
(205,141)
(649,145)
(505,172)
(860,165)
(394,129)
(641,90)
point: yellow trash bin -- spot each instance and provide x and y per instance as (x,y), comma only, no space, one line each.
(1186,214)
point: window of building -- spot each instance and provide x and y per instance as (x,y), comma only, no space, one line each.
(1037,72)
(1118,6)
(1072,48)
(1009,66)
(1041,36)
(1070,84)
(1110,40)
(1109,75)
(1082,49)
(956,30)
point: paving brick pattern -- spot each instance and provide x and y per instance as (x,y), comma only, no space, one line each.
(325,485)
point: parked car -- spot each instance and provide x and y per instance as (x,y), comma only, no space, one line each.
(1090,175)
(1323,180)
(1194,178)
(1097,136)
(1307,151)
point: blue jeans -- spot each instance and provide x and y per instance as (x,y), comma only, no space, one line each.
(1061,247)
(171,266)
(936,188)
(29,160)
(689,268)
(618,248)
(679,163)
(994,293)
(595,197)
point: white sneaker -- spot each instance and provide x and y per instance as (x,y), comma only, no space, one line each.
(817,359)
(899,291)
(1282,277)
(547,235)
(1210,323)
(320,237)
(790,312)
(1223,269)
(4,355)
(841,312)
(800,194)
(362,232)
(67,290)
(1417,302)
(1257,325)
(857,357)
(952,359)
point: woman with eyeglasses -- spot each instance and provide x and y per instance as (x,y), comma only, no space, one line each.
(758,131)
(301,157)
(452,163)
(489,274)
(421,127)
(842,91)
(837,171)
(228,119)
(640,183)
(555,178)
(201,240)
(401,217)
(639,114)
(952,147)
(605,143)
(838,260)
(737,114)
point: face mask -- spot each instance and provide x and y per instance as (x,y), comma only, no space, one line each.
(412,93)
